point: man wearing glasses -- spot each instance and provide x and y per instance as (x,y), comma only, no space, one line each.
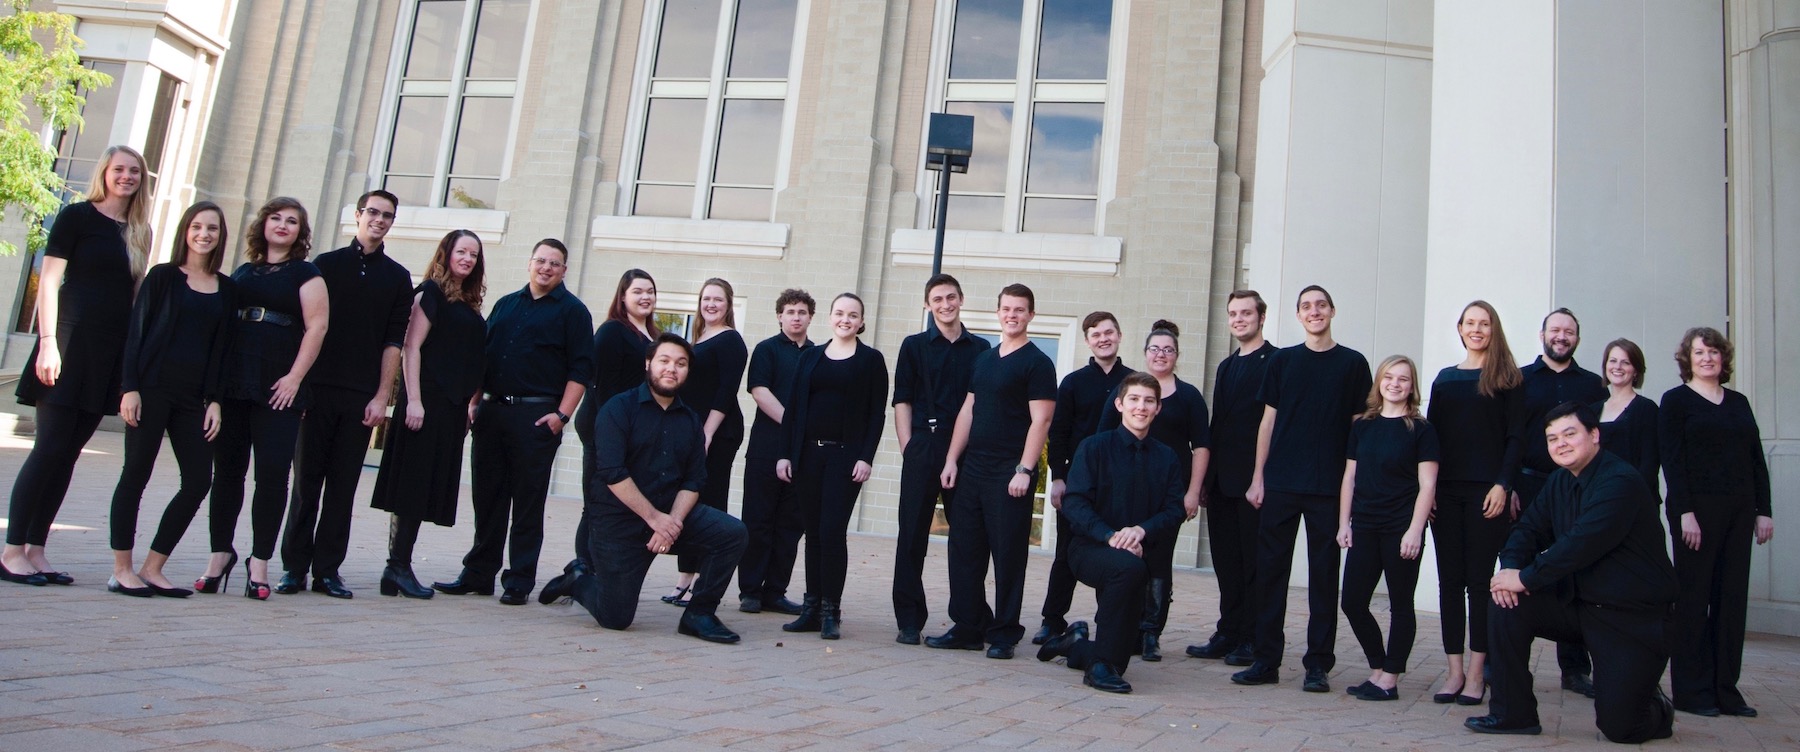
(371,297)
(539,361)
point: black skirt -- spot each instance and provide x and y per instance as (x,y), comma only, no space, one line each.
(90,371)
(421,471)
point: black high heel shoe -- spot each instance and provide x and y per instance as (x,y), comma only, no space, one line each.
(217,584)
(254,589)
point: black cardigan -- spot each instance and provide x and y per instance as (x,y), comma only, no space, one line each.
(870,390)
(153,324)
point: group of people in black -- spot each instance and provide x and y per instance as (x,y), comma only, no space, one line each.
(1550,470)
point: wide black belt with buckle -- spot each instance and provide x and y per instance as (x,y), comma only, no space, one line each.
(508,399)
(266,316)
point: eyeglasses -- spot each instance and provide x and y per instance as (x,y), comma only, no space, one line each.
(547,262)
(1161,351)
(372,212)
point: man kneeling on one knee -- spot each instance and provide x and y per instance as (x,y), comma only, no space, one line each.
(1584,564)
(651,456)
(1122,498)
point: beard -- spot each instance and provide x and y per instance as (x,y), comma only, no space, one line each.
(1550,352)
(657,389)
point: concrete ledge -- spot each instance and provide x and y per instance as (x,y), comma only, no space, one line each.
(1012,251)
(692,237)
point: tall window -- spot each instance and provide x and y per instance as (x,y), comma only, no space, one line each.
(453,120)
(717,89)
(1033,73)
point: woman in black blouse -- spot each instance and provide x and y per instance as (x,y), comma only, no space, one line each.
(1478,409)
(281,324)
(96,253)
(711,390)
(1718,501)
(1628,419)
(180,327)
(1183,426)
(829,435)
(1390,485)
(421,466)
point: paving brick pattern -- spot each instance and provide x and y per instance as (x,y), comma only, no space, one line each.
(82,669)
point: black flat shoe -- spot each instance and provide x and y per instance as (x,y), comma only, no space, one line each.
(168,592)
(1101,676)
(1467,701)
(113,586)
(290,583)
(706,627)
(464,585)
(1741,711)
(1259,673)
(1000,652)
(951,642)
(35,579)
(1360,688)
(1445,698)
(1491,724)
(1059,646)
(217,584)
(333,587)
(57,578)
(1377,694)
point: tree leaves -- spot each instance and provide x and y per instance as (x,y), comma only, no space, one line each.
(39,86)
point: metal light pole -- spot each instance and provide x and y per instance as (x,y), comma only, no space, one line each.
(948,144)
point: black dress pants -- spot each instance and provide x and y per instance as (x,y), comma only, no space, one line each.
(510,476)
(1372,556)
(988,522)
(182,417)
(1231,535)
(1571,657)
(1281,517)
(1117,577)
(1059,594)
(827,499)
(250,427)
(1710,610)
(1466,545)
(921,465)
(618,541)
(773,520)
(43,480)
(717,493)
(327,466)
(1629,656)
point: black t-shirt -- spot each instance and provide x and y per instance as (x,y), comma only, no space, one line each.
(1387,455)
(188,355)
(1004,387)
(1236,417)
(828,394)
(772,368)
(97,283)
(1180,425)
(1315,394)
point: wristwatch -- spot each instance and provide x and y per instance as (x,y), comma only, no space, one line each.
(562,416)
(1024,469)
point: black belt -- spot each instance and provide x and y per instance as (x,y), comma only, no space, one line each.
(825,443)
(266,316)
(508,399)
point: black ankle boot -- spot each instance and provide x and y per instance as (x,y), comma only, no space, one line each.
(829,616)
(809,616)
(396,580)
(1156,614)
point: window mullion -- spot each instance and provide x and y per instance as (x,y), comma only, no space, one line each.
(465,44)
(715,105)
(1018,152)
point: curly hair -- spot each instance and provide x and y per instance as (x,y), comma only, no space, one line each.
(1713,338)
(256,245)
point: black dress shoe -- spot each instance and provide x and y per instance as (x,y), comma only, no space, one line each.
(1705,712)
(750,604)
(907,637)
(113,586)
(1044,634)
(35,579)
(1741,711)
(169,592)
(782,605)
(949,641)
(332,586)
(1101,676)
(463,585)
(1244,655)
(1058,646)
(1257,673)
(1000,652)
(706,627)
(1214,649)
(1578,683)
(1152,647)
(563,585)
(1491,724)
(1315,681)
(290,583)
(514,596)
(1667,728)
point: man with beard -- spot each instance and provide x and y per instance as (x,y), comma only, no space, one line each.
(1231,520)
(650,464)
(1080,400)
(1551,380)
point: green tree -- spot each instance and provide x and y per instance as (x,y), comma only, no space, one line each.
(51,79)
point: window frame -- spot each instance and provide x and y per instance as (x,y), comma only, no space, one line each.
(718,84)
(1028,91)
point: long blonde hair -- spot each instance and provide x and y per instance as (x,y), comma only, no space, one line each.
(1373,406)
(137,207)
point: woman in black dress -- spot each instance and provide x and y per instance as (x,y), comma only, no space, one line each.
(421,466)
(1628,419)
(1478,410)
(95,256)
(1390,484)
(281,323)
(180,327)
(1718,501)
(1182,425)
(829,436)
(619,344)
(711,389)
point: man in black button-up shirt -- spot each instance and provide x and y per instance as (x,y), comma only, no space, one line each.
(650,461)
(352,381)
(1123,494)
(539,361)
(1586,563)
(931,380)
(771,509)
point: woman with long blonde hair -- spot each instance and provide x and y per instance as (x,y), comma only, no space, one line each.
(95,256)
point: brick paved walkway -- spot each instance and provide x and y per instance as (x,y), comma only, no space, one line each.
(82,669)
